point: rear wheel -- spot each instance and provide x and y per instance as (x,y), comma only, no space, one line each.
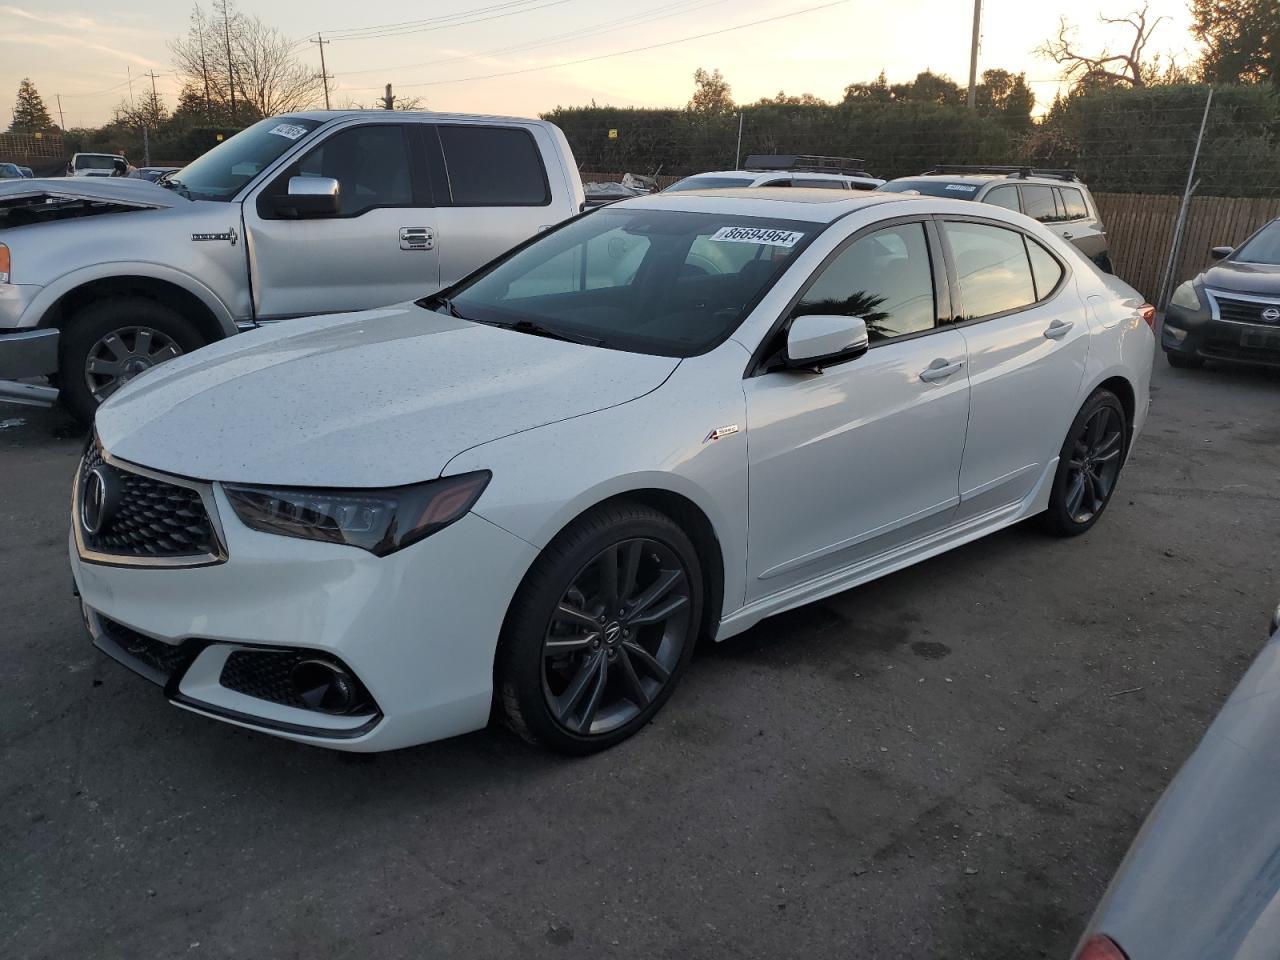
(601,630)
(1183,361)
(109,342)
(1089,465)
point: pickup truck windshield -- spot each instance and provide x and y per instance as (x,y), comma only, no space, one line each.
(661,282)
(224,171)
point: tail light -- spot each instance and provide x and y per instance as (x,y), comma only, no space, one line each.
(1101,947)
(4,263)
(1148,314)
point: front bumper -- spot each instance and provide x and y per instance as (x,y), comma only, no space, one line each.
(418,629)
(1199,333)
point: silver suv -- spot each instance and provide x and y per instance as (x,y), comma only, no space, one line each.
(785,170)
(1056,198)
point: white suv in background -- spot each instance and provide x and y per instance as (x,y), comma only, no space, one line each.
(1056,198)
(785,170)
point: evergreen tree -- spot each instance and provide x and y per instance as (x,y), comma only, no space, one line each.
(29,113)
(1241,38)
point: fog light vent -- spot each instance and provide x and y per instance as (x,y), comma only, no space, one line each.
(296,679)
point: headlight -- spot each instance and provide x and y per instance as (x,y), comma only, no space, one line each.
(1186,297)
(380,521)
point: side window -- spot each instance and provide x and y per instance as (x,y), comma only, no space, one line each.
(777,183)
(1046,270)
(370,163)
(1074,200)
(885,278)
(493,167)
(1037,203)
(991,267)
(1006,197)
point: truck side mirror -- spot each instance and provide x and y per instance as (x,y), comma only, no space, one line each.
(310,197)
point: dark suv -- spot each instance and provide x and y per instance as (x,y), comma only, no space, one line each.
(1054,197)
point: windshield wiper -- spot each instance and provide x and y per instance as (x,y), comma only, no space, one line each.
(173,183)
(536,329)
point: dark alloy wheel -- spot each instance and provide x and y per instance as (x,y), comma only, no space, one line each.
(600,630)
(1089,465)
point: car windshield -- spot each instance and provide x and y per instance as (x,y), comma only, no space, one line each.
(649,281)
(931,187)
(95,161)
(1262,247)
(224,171)
(707,183)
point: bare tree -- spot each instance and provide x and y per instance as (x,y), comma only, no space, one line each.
(268,76)
(1104,68)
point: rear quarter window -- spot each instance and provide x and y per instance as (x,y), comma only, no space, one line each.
(493,167)
(1073,200)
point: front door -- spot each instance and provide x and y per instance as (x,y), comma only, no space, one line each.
(1028,338)
(865,456)
(379,249)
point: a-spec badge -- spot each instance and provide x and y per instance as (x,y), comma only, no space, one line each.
(719,433)
(231,236)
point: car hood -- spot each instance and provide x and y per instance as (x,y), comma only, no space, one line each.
(1259,278)
(377,398)
(1202,879)
(123,190)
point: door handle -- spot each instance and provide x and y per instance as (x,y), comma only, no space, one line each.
(940,369)
(417,238)
(1059,329)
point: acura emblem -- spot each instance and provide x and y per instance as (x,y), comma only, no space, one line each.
(1271,314)
(97,501)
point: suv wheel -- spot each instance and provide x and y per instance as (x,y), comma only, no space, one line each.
(1104,263)
(600,630)
(107,343)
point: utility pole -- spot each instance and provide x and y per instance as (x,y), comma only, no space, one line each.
(231,70)
(204,66)
(973,55)
(389,101)
(152,112)
(737,157)
(61,122)
(324,73)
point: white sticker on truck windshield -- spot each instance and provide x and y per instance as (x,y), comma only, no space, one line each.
(962,187)
(764,235)
(290,131)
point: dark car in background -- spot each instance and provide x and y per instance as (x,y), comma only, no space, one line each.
(1202,879)
(153,174)
(1232,310)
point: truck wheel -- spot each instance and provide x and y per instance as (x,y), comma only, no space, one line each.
(107,343)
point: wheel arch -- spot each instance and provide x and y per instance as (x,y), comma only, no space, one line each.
(1124,392)
(60,300)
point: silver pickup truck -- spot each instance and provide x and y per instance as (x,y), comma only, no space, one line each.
(319,212)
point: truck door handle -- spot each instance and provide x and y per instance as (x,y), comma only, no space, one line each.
(1059,329)
(417,238)
(940,369)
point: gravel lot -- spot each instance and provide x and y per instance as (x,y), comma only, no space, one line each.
(949,762)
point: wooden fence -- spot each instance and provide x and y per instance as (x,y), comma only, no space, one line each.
(1140,227)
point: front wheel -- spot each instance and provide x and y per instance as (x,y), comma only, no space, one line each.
(109,342)
(1089,465)
(600,630)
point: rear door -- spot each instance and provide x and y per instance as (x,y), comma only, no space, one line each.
(1079,224)
(494,193)
(1027,338)
(378,250)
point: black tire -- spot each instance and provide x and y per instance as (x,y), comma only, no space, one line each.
(1183,361)
(1104,263)
(85,330)
(1085,482)
(529,677)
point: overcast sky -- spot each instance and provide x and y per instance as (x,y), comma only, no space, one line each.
(84,50)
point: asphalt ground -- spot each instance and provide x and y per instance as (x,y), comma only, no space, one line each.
(949,762)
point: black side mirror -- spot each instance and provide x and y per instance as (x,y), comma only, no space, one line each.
(1220,253)
(310,197)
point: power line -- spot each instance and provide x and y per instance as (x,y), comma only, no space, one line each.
(621,53)
(457,23)
(363,31)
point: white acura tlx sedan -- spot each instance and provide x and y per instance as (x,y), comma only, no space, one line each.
(532,493)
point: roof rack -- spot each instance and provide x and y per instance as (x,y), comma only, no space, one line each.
(804,163)
(1021,173)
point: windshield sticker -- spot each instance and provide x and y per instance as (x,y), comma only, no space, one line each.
(290,131)
(962,187)
(772,238)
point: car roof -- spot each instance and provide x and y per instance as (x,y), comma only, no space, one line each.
(985,178)
(810,174)
(779,203)
(325,115)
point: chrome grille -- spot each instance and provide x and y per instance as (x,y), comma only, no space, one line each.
(1246,311)
(148,519)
